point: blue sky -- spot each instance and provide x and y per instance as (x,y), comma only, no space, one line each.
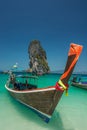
(55,23)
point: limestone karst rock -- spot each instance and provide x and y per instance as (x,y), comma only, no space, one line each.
(38,59)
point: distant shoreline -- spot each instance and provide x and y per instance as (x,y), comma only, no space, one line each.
(52,72)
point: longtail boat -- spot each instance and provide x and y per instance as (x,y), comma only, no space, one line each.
(77,82)
(44,100)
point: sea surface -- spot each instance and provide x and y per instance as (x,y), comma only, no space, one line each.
(70,113)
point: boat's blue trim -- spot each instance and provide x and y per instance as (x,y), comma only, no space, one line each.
(84,82)
(42,115)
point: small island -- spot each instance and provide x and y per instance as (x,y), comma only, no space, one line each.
(38,60)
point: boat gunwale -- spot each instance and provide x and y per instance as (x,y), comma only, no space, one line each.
(79,83)
(31,90)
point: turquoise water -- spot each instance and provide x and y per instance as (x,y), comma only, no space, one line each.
(70,113)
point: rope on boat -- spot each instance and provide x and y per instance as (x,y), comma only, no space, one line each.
(62,87)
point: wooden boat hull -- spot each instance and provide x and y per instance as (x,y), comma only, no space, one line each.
(79,85)
(42,101)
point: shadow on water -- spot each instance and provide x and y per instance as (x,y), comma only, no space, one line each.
(57,123)
(54,124)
